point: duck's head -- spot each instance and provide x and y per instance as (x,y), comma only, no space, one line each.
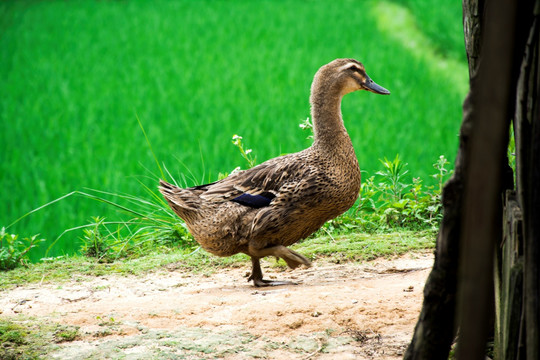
(345,76)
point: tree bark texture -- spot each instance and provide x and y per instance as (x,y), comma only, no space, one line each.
(492,97)
(436,326)
(527,138)
(476,187)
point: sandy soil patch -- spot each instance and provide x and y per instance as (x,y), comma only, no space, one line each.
(337,311)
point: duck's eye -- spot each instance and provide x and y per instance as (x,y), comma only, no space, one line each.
(355,68)
(352,67)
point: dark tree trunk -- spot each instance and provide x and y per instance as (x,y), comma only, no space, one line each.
(527,137)
(436,326)
(496,32)
(492,95)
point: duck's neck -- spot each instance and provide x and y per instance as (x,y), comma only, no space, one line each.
(328,128)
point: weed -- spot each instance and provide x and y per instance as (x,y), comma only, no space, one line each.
(307,125)
(419,207)
(151,225)
(94,243)
(246,153)
(14,251)
(442,171)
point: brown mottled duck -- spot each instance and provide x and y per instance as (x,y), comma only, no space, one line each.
(261,211)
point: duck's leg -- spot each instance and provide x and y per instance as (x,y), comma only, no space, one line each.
(292,258)
(257,276)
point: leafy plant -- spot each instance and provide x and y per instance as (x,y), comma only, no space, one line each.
(417,208)
(393,177)
(14,251)
(389,201)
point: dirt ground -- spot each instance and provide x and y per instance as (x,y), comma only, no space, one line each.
(337,311)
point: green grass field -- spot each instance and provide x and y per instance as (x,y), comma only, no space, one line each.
(75,76)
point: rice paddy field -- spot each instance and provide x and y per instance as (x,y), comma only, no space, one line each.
(77,76)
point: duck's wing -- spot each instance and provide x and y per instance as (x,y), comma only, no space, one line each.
(258,186)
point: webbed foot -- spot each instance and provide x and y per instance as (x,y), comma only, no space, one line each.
(263,282)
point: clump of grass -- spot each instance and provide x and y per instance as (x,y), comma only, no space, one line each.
(14,250)
(152,226)
(364,246)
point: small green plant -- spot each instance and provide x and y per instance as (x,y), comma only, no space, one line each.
(511,153)
(307,125)
(442,171)
(14,251)
(106,322)
(94,243)
(393,177)
(246,153)
(66,334)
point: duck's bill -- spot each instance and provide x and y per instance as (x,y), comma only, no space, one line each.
(370,85)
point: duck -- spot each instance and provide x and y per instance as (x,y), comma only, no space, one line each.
(263,210)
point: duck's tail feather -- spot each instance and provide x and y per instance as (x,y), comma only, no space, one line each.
(179,199)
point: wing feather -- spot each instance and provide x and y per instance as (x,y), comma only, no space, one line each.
(268,177)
